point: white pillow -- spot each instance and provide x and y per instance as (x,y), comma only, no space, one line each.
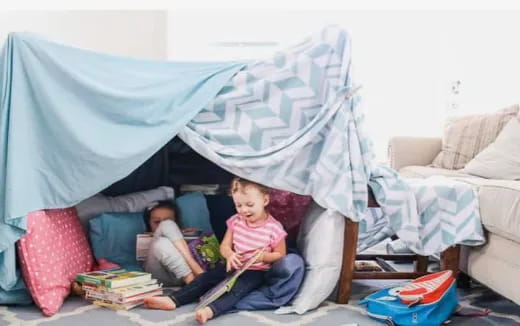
(130,203)
(320,241)
(501,159)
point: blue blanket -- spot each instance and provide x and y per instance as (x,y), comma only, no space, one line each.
(72,122)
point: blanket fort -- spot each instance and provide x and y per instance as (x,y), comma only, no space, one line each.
(73,122)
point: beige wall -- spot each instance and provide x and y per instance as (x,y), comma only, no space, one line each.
(139,33)
(406,60)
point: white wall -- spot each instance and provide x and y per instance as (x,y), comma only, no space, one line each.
(139,33)
(405,60)
(482,49)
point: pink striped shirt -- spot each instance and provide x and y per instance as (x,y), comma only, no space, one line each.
(249,238)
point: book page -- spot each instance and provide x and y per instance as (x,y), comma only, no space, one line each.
(226,285)
(143,243)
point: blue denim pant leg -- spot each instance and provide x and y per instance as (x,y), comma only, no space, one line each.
(247,282)
(200,285)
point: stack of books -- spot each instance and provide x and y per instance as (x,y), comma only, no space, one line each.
(118,289)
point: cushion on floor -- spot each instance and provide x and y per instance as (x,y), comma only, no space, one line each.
(52,252)
(113,238)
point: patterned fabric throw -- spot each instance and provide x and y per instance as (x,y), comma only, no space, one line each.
(294,122)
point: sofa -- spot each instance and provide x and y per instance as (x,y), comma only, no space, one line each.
(494,264)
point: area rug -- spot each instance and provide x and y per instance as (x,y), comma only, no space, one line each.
(78,312)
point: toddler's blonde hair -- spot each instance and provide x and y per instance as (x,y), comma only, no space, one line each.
(239,184)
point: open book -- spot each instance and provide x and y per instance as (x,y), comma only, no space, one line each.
(225,286)
(142,245)
(144,241)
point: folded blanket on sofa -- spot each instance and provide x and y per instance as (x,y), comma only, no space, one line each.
(439,212)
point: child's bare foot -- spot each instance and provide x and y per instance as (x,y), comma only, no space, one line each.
(204,314)
(162,303)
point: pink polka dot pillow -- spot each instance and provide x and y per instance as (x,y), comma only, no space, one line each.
(52,252)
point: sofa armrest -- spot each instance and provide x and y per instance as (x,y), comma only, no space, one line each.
(405,151)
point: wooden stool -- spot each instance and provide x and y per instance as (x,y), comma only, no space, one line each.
(449,260)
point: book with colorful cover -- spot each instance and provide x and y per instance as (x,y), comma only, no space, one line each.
(117,306)
(225,286)
(95,278)
(191,233)
(144,241)
(119,294)
(127,279)
(108,297)
(113,278)
(129,291)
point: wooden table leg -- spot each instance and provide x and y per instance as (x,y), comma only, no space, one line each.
(349,259)
(450,259)
(421,264)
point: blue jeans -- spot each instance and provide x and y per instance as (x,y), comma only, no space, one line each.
(247,282)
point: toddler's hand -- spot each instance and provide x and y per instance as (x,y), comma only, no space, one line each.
(233,262)
(260,258)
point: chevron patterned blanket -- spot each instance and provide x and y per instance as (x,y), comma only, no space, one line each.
(294,122)
(429,215)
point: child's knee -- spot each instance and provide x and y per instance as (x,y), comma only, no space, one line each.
(168,229)
(166,253)
(161,247)
(240,291)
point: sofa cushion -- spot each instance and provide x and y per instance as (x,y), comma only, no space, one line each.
(415,171)
(501,159)
(495,265)
(499,202)
(464,137)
